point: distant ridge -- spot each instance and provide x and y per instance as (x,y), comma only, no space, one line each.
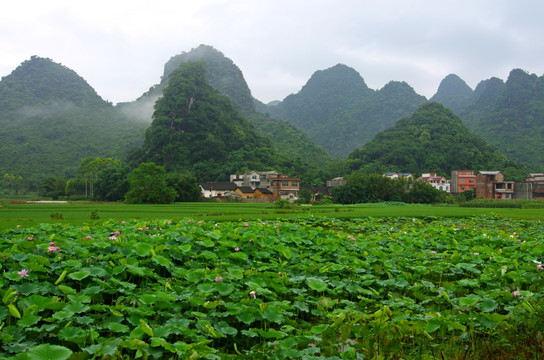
(340,113)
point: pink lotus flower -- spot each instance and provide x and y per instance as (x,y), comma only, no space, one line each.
(23,273)
(433,252)
(237,249)
(123,222)
(30,238)
(516,293)
(252,293)
(51,249)
(116,233)
(246,224)
(218,278)
(52,243)
(88,237)
(540,267)
(476,253)
(113,238)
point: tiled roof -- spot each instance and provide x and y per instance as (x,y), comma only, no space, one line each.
(216,185)
(265,191)
(246,189)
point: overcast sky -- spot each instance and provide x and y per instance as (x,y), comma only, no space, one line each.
(120,47)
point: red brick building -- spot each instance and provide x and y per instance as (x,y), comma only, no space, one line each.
(462,180)
(491,185)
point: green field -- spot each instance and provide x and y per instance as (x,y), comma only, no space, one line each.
(13,214)
(309,287)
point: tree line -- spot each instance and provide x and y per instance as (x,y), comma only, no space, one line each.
(112,180)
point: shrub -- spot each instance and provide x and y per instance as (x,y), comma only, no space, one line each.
(57,216)
(94,215)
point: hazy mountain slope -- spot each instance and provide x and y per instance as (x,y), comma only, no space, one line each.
(197,129)
(454,94)
(340,113)
(225,76)
(50,119)
(511,116)
(432,139)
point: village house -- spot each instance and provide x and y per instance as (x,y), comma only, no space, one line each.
(531,188)
(254,185)
(280,186)
(217,189)
(491,185)
(339,181)
(394,175)
(438,182)
(462,180)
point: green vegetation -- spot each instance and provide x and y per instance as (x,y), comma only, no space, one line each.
(432,139)
(300,155)
(511,116)
(80,213)
(196,129)
(50,119)
(497,203)
(340,113)
(454,94)
(376,188)
(312,287)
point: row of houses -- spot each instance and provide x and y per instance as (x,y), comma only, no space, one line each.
(254,185)
(270,185)
(485,184)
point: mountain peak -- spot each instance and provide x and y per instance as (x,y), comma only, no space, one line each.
(221,73)
(453,93)
(41,81)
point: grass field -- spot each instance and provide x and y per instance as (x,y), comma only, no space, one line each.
(23,214)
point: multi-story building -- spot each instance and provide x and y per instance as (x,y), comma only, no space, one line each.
(285,187)
(531,188)
(281,186)
(491,185)
(462,180)
(438,182)
(254,179)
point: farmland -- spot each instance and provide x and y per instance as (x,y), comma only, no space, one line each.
(305,286)
(23,214)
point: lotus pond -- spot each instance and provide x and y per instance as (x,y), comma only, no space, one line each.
(305,288)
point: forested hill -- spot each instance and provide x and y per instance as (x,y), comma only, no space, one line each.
(511,116)
(196,129)
(340,113)
(50,119)
(225,76)
(433,139)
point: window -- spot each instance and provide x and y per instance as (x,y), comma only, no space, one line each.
(294,184)
(462,188)
(285,183)
(471,180)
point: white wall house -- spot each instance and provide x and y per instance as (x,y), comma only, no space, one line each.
(438,182)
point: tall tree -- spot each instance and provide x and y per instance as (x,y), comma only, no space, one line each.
(148,185)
